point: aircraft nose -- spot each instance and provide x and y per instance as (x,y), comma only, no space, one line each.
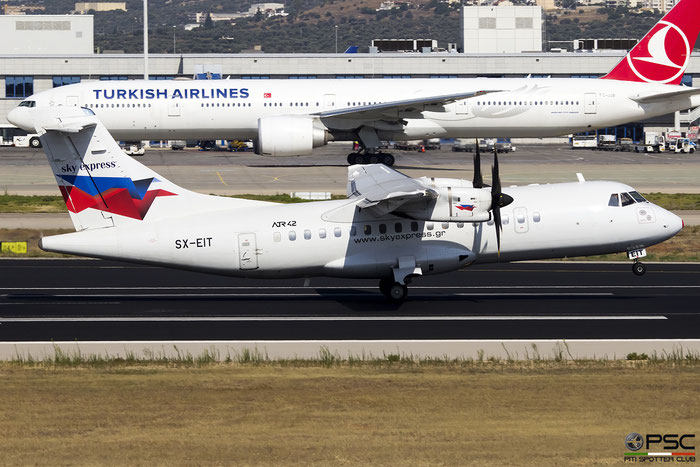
(671,223)
(19,117)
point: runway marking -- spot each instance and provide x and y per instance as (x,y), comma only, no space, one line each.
(220,178)
(187,319)
(351,286)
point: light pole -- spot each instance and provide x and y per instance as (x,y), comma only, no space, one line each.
(174,29)
(145,39)
(336,38)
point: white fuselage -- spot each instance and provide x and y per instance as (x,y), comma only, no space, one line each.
(334,238)
(229,109)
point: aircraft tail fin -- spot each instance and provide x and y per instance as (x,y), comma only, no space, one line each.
(101,185)
(664,52)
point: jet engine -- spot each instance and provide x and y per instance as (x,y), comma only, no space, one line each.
(289,136)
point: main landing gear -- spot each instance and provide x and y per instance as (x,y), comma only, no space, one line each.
(639,268)
(393,290)
(370,157)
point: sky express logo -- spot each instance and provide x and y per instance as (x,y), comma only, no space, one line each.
(658,447)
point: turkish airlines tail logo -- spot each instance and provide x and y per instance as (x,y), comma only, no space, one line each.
(663,54)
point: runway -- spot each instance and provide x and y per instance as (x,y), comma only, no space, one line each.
(91,300)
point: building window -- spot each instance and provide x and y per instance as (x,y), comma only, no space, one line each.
(113,78)
(19,86)
(63,80)
(160,77)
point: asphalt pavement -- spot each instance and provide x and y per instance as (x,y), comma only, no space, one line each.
(92,300)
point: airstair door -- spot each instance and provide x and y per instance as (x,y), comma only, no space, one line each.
(247,251)
(590,103)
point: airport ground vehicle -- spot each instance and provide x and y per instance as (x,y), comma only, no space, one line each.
(584,142)
(391,227)
(292,117)
(653,142)
(683,145)
(17,137)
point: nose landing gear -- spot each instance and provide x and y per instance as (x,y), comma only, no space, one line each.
(638,268)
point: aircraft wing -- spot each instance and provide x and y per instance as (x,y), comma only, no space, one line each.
(382,190)
(665,96)
(391,109)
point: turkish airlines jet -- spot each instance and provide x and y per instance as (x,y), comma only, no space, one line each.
(391,227)
(291,117)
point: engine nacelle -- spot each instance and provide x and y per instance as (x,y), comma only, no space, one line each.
(453,204)
(289,136)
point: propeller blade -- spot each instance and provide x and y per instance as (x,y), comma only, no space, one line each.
(499,227)
(478,180)
(495,178)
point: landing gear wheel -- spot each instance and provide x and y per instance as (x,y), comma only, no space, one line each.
(393,290)
(35,143)
(388,160)
(373,159)
(639,268)
(355,158)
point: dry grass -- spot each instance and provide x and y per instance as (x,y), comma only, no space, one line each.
(491,414)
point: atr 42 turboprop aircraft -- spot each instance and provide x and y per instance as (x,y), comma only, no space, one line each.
(391,227)
(291,117)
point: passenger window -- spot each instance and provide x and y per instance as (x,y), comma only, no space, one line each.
(337,232)
(322,233)
(353,231)
(367,230)
(445,225)
(292,235)
(614,200)
(460,225)
(505,220)
(536,216)
(414,226)
(398,227)
(520,218)
(626,199)
(277,236)
(382,228)
(637,197)
(429,226)
(307,235)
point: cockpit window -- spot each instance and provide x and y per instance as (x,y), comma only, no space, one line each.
(614,200)
(27,104)
(626,199)
(637,197)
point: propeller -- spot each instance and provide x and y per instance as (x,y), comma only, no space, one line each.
(498,199)
(478,180)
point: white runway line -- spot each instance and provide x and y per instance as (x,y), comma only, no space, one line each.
(187,319)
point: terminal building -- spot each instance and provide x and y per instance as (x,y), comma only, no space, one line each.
(60,62)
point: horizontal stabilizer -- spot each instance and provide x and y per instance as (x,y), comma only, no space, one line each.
(667,96)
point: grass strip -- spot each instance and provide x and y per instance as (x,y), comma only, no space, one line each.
(486,414)
(24,204)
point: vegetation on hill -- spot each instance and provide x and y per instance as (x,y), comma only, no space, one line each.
(310,25)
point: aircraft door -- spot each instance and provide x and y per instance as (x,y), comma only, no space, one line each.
(174,108)
(520,220)
(72,101)
(247,251)
(329,101)
(590,103)
(462,107)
